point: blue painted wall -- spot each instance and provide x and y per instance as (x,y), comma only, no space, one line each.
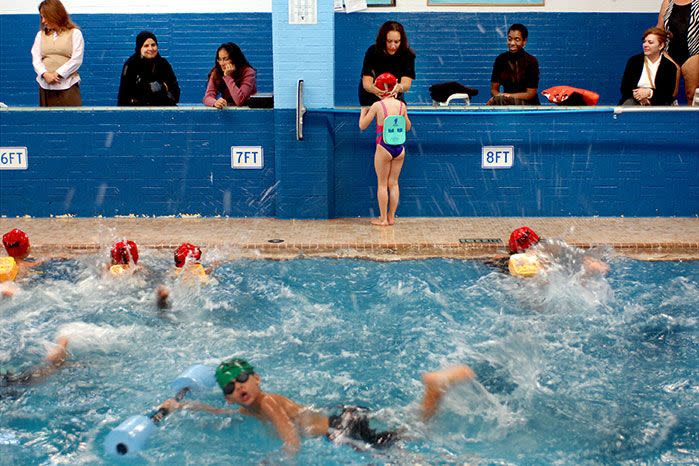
(188,41)
(587,50)
(167,162)
(567,164)
(144,162)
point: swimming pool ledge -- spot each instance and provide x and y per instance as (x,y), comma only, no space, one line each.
(660,238)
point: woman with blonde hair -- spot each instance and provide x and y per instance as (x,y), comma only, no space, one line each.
(57,54)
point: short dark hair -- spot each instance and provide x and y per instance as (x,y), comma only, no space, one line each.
(521,28)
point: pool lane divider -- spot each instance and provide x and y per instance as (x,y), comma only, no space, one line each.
(129,437)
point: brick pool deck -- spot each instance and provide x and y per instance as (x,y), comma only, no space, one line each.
(643,238)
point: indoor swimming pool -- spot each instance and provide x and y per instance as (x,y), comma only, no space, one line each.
(570,370)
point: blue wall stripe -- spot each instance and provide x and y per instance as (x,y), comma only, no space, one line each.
(167,162)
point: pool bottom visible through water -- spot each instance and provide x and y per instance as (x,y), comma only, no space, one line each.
(570,369)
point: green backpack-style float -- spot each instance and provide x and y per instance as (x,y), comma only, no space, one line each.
(393,127)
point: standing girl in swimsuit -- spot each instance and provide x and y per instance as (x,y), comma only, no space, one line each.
(392,123)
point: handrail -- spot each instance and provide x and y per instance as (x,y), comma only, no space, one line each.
(300,110)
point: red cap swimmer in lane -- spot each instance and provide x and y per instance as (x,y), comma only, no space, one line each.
(122,251)
(16,243)
(522,239)
(186,250)
(385,82)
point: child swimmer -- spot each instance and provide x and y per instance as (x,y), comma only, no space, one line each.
(16,243)
(188,268)
(241,386)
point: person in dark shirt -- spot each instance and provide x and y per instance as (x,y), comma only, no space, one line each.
(147,79)
(515,71)
(390,54)
(650,77)
(680,18)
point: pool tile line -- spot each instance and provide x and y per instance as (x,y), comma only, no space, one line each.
(661,237)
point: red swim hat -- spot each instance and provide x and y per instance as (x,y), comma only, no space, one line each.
(185,250)
(386,82)
(122,250)
(16,243)
(522,239)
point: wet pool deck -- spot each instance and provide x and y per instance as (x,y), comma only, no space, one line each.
(644,238)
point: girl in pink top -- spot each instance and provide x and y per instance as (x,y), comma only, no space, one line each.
(232,78)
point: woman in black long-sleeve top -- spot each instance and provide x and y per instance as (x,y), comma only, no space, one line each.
(650,77)
(147,79)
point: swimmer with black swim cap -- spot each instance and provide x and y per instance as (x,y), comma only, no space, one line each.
(241,385)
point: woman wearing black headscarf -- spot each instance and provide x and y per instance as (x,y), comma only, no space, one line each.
(147,78)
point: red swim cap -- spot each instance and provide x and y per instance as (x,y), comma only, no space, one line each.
(16,243)
(185,250)
(522,239)
(122,250)
(386,82)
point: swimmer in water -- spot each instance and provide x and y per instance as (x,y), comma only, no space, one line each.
(53,361)
(187,267)
(291,421)
(525,260)
(16,243)
(124,255)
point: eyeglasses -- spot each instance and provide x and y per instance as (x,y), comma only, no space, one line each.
(230,386)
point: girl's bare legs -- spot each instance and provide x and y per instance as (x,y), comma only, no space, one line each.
(393,189)
(436,384)
(690,71)
(382,165)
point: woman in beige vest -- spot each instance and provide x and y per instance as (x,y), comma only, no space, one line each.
(57,54)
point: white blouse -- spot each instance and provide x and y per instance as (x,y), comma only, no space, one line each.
(67,69)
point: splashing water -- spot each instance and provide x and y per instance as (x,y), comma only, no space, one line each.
(570,369)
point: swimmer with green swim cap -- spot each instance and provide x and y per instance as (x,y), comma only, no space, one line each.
(241,386)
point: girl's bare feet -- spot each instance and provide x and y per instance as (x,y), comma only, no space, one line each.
(380,223)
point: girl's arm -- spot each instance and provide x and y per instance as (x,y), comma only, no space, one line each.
(76,57)
(211,93)
(661,15)
(367,116)
(248,86)
(408,123)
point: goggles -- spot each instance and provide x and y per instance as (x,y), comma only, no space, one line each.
(230,386)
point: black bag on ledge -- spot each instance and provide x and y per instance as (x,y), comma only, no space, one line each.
(441,92)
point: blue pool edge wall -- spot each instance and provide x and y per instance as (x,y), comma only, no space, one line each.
(604,161)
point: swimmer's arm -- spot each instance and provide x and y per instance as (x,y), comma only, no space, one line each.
(286,430)
(408,123)
(173,405)
(35,263)
(366,117)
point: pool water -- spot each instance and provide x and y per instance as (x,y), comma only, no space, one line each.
(571,370)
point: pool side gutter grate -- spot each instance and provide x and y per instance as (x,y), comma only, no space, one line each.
(480,241)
